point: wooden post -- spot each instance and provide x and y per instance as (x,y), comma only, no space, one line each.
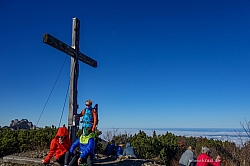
(73,106)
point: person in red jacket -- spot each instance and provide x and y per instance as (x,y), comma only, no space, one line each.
(59,147)
(204,158)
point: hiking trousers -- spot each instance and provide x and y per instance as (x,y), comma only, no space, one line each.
(64,159)
(87,160)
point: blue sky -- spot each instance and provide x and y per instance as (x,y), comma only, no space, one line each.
(161,64)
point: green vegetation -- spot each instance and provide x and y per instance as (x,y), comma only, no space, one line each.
(165,148)
(168,148)
(15,141)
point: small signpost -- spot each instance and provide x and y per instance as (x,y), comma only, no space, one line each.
(76,55)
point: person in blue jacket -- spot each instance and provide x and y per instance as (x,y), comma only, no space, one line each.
(129,151)
(110,148)
(119,149)
(86,142)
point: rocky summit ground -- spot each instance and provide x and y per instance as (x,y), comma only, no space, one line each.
(99,160)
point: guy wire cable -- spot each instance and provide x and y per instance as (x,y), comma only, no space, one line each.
(64,105)
(52,90)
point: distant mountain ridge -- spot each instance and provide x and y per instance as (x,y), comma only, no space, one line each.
(22,124)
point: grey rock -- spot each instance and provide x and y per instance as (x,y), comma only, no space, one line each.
(22,124)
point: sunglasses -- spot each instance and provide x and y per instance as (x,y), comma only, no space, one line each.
(61,137)
(87,104)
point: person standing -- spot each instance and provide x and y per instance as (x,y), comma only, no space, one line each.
(59,147)
(187,158)
(89,115)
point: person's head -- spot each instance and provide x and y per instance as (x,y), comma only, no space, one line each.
(128,144)
(86,131)
(88,103)
(205,150)
(121,144)
(62,133)
(191,148)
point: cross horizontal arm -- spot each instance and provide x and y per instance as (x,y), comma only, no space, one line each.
(52,41)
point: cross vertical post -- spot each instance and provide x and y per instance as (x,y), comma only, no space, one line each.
(73,79)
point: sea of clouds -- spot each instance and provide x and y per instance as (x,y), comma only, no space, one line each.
(225,134)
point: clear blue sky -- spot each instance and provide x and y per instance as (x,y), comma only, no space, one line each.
(161,63)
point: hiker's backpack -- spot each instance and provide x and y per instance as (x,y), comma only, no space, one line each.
(88,119)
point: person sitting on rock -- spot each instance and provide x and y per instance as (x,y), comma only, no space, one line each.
(119,149)
(204,159)
(187,158)
(86,142)
(129,151)
(59,147)
(110,148)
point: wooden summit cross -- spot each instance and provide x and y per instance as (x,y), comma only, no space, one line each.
(76,55)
